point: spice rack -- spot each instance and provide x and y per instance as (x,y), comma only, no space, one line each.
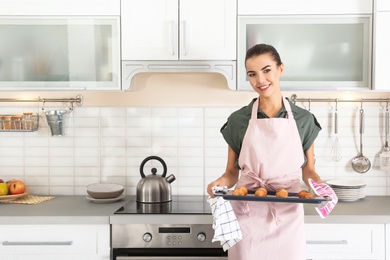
(29,122)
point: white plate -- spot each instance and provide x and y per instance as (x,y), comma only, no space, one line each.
(352,184)
(105,200)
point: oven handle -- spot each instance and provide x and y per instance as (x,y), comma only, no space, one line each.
(43,243)
(171,257)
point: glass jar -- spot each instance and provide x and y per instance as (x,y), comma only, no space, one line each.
(7,123)
(17,122)
(27,121)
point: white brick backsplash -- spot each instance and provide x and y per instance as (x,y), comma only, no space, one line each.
(108,144)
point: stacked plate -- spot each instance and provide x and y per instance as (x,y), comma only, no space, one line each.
(348,190)
(105,192)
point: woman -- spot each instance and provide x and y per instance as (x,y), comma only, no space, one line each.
(272,141)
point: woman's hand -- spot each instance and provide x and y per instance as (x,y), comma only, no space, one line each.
(230,177)
(225,180)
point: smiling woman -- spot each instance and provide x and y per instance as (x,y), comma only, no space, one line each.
(268,148)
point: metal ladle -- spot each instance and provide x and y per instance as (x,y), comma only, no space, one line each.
(360,163)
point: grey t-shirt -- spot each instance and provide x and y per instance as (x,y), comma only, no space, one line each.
(234,129)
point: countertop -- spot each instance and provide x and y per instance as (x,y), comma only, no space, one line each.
(79,210)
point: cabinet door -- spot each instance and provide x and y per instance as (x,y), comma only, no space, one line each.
(383,5)
(55,242)
(59,7)
(260,7)
(208,30)
(382,51)
(59,52)
(149,29)
(345,241)
(387,242)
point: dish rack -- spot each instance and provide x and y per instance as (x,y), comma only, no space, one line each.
(28,122)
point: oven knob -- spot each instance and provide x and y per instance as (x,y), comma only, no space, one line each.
(201,237)
(147,237)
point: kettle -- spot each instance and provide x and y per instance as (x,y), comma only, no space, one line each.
(154,188)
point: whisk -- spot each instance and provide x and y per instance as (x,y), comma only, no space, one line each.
(336,149)
(384,156)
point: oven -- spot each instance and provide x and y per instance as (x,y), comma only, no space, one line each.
(180,229)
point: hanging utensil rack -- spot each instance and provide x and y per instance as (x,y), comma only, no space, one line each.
(28,122)
(294,98)
(78,100)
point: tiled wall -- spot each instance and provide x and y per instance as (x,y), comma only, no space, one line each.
(108,144)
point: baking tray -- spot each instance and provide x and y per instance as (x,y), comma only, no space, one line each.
(271,197)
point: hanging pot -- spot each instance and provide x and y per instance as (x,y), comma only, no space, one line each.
(154,188)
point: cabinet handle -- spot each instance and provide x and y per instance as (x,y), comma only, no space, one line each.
(42,243)
(327,242)
(171,36)
(183,24)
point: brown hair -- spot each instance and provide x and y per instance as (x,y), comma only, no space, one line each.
(259,49)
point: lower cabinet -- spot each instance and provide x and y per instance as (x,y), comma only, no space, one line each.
(345,241)
(387,242)
(55,242)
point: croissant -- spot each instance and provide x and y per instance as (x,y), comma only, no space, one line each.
(241,191)
(261,192)
(304,194)
(282,193)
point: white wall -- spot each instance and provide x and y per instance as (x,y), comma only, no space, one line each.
(177,117)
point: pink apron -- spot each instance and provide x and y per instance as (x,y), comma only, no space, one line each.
(271,157)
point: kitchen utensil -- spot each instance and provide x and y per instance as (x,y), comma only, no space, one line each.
(384,157)
(56,120)
(105,190)
(154,188)
(336,149)
(360,163)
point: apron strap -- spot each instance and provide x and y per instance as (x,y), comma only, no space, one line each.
(286,104)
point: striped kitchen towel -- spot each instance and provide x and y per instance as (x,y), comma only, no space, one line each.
(225,224)
(29,199)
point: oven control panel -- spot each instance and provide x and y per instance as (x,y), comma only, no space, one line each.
(162,236)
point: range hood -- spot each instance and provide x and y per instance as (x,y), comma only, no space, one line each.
(131,68)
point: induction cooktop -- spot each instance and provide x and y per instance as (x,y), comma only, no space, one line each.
(185,204)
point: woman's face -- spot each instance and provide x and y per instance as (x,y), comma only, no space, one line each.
(264,74)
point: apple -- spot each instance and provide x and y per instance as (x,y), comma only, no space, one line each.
(3,189)
(17,187)
(9,182)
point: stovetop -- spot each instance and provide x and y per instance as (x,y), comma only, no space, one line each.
(185,204)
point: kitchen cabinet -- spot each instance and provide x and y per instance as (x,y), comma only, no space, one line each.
(322,47)
(60,242)
(59,7)
(264,7)
(382,5)
(178,29)
(345,241)
(59,45)
(387,241)
(381,51)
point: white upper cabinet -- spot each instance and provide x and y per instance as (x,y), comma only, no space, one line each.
(60,7)
(266,7)
(381,51)
(59,45)
(178,29)
(383,5)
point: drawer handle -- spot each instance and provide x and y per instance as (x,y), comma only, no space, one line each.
(327,242)
(43,243)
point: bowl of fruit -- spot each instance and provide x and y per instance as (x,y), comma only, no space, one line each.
(12,189)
